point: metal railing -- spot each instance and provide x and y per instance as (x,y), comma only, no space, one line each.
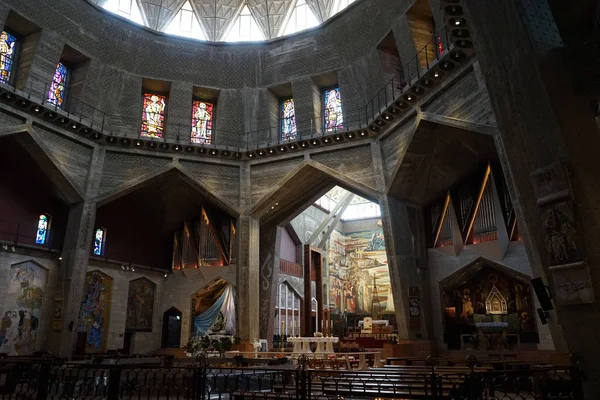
(308,380)
(19,233)
(79,113)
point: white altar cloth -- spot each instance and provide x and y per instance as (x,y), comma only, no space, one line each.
(302,344)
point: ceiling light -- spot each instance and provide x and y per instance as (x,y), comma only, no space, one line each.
(457,22)
(74,125)
(60,258)
(409,98)
(36,109)
(132,269)
(272,207)
(436,75)
(276,204)
(165,274)
(138,143)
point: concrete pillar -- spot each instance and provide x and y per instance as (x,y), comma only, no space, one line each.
(542,122)
(248,278)
(76,253)
(229,124)
(126,114)
(308,106)
(37,62)
(270,244)
(179,112)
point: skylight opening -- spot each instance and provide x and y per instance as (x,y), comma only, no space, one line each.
(186,24)
(359,208)
(302,18)
(125,8)
(244,28)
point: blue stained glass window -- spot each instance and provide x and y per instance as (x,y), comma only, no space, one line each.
(99,239)
(58,87)
(7,54)
(42,229)
(333,110)
(288,120)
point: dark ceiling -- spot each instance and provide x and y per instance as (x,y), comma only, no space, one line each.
(438,157)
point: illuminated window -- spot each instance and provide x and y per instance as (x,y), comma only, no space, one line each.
(332,110)
(43,228)
(99,240)
(186,24)
(288,120)
(58,87)
(8,45)
(153,115)
(302,18)
(125,8)
(244,28)
(202,122)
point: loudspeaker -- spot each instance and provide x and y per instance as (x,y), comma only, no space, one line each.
(541,291)
(542,315)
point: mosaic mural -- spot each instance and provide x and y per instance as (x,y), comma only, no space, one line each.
(22,308)
(140,305)
(355,259)
(95,311)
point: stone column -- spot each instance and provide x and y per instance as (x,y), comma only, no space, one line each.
(270,244)
(248,278)
(308,107)
(542,122)
(37,62)
(76,253)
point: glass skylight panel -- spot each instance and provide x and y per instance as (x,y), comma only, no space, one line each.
(244,28)
(125,8)
(302,18)
(186,24)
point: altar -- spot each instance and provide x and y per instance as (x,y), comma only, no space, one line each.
(302,344)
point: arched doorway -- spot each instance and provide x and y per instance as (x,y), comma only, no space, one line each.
(171,329)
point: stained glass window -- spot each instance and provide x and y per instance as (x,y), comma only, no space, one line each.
(153,115)
(7,54)
(99,239)
(333,110)
(202,122)
(42,229)
(58,87)
(288,120)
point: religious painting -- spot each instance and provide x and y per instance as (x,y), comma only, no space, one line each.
(140,305)
(333,110)
(7,53)
(202,122)
(213,309)
(358,273)
(288,120)
(99,239)
(95,311)
(153,115)
(22,308)
(42,229)
(58,86)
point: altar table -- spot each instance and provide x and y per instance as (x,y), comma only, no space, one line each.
(302,344)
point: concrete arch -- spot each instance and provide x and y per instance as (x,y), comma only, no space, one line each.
(174,171)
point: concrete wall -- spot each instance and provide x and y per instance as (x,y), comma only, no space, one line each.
(122,53)
(441,265)
(288,247)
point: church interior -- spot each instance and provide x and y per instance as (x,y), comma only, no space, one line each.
(295,199)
